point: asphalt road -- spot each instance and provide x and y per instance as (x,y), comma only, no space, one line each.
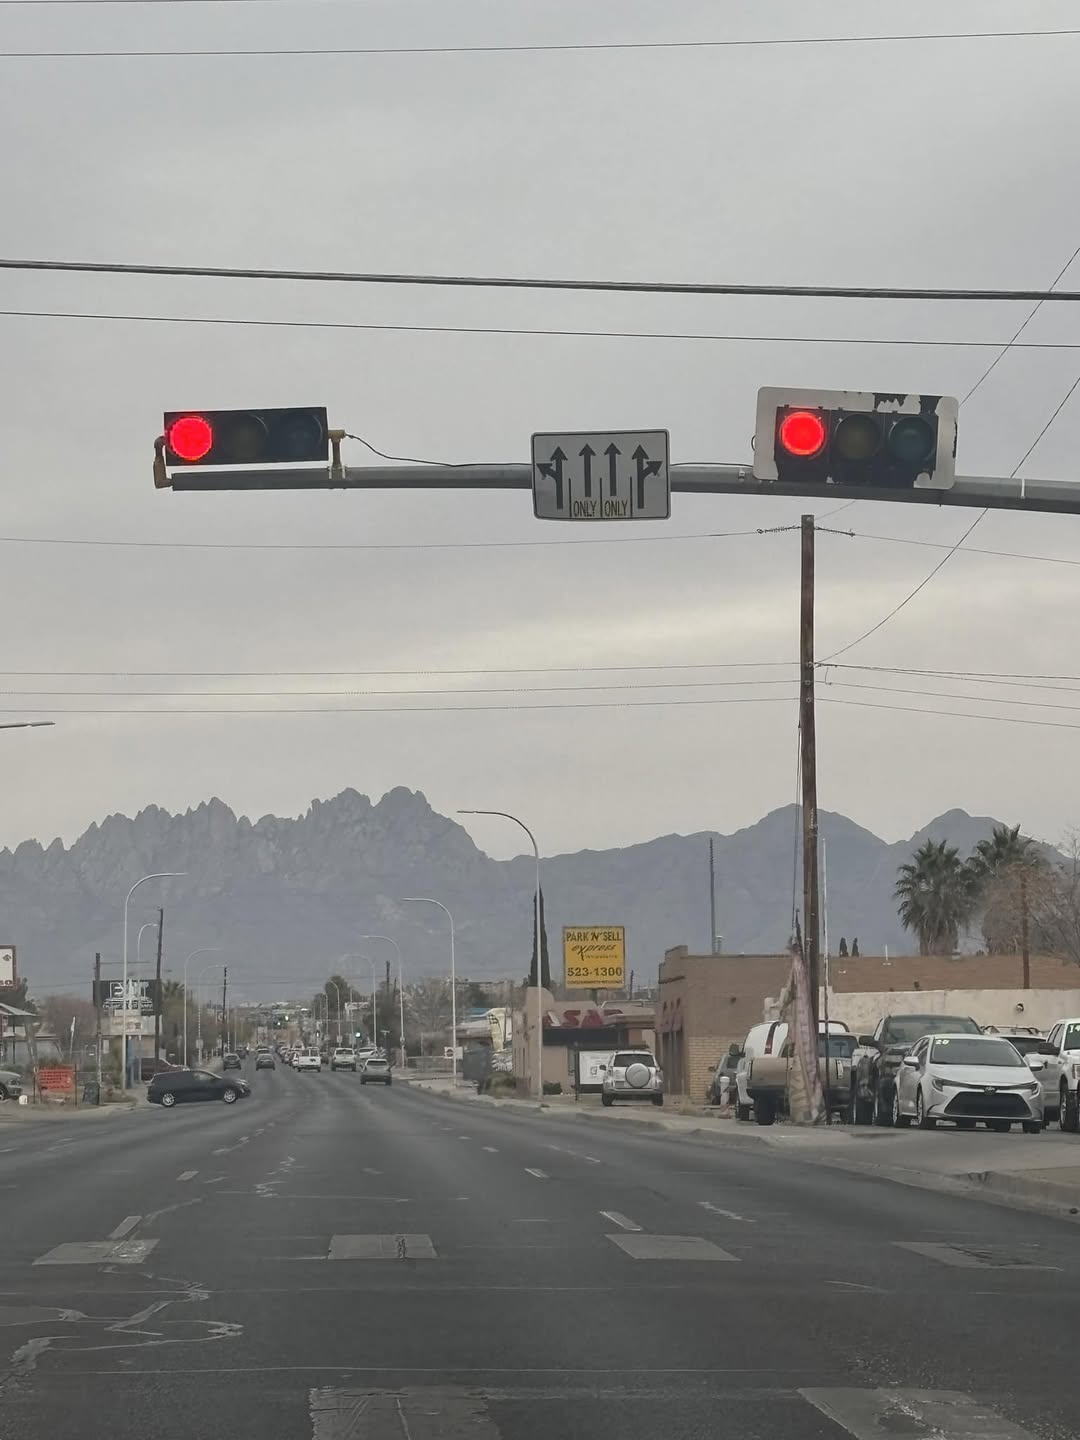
(330,1261)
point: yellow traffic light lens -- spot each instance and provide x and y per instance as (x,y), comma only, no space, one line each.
(857,437)
(912,440)
(243,439)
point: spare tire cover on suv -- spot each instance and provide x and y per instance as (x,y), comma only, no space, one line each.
(638,1075)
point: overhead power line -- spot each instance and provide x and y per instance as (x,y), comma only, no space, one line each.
(540,332)
(568,47)
(168,712)
(371,674)
(524,282)
(956,714)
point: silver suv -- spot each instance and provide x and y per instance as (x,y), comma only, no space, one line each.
(632,1075)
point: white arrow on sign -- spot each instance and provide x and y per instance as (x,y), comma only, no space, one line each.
(602,475)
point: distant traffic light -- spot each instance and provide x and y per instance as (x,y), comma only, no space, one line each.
(246,437)
(848,437)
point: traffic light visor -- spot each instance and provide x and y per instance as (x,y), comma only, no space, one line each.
(802,433)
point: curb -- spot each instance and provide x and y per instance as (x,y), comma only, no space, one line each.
(1061,1199)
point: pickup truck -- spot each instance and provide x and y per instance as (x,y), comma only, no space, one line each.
(768,1077)
(1061,1050)
(873,1071)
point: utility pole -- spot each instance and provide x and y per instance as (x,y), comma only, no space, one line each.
(97,1019)
(157,987)
(712,898)
(224,1012)
(808,760)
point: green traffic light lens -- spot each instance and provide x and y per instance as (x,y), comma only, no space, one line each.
(298,435)
(912,440)
(857,437)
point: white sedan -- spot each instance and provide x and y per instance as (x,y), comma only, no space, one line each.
(968,1078)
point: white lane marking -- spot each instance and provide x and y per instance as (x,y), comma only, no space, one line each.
(944,1414)
(491,1149)
(464,1137)
(454,1414)
(670,1247)
(368,1171)
(591,1159)
(187,1175)
(854,1285)
(728,1214)
(381,1247)
(621,1220)
(98,1252)
(969,1257)
(125,1227)
(540,1174)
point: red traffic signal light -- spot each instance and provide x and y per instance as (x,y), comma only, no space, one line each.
(813,440)
(802,433)
(246,437)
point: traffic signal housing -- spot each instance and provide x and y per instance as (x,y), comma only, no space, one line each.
(823,438)
(294,436)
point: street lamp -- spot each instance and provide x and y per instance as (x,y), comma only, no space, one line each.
(147,925)
(337,992)
(206,950)
(214,965)
(427,900)
(158,875)
(539,946)
(400,986)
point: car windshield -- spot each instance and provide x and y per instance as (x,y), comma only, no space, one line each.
(1072,1038)
(906,1029)
(985,1050)
(841,1047)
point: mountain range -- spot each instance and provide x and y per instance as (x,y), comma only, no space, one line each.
(285,899)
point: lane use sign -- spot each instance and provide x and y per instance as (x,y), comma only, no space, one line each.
(601,475)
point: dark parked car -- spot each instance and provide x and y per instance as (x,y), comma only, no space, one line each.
(230,1062)
(264,1060)
(170,1087)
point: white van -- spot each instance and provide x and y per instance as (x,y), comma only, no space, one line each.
(767,1039)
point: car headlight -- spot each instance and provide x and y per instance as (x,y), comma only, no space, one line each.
(1031,1088)
(937,1082)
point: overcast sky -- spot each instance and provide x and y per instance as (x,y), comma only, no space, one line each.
(907,164)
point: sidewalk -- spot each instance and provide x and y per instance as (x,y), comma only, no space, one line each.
(1040,1172)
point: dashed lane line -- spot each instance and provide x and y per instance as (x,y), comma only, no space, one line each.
(491,1149)
(539,1174)
(727,1214)
(187,1175)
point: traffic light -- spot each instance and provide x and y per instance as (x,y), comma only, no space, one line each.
(820,438)
(246,437)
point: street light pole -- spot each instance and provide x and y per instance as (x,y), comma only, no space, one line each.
(158,875)
(206,950)
(427,900)
(337,992)
(198,1001)
(539,945)
(400,986)
(147,925)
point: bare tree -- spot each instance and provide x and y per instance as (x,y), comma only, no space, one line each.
(1056,904)
(428,1005)
(58,1011)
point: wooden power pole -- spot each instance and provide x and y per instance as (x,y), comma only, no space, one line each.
(808,760)
(157,988)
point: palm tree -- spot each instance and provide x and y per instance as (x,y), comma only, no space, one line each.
(1005,847)
(936,896)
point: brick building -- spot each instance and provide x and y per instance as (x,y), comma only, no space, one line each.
(709,1002)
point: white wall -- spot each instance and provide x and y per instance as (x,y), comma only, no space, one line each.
(1042,1008)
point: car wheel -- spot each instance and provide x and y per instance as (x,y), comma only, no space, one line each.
(1032,1127)
(883,1110)
(1001,1127)
(742,1112)
(863,1110)
(3,1092)
(605,1100)
(658,1099)
(363,1079)
(764,1112)
(229,1095)
(168,1099)
(965,1124)
(899,1119)
(1067,1116)
(924,1121)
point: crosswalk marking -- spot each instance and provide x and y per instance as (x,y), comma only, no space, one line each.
(381,1247)
(669,1247)
(944,1414)
(98,1252)
(622,1221)
(421,1414)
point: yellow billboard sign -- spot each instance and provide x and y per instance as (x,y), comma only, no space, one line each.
(594,957)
